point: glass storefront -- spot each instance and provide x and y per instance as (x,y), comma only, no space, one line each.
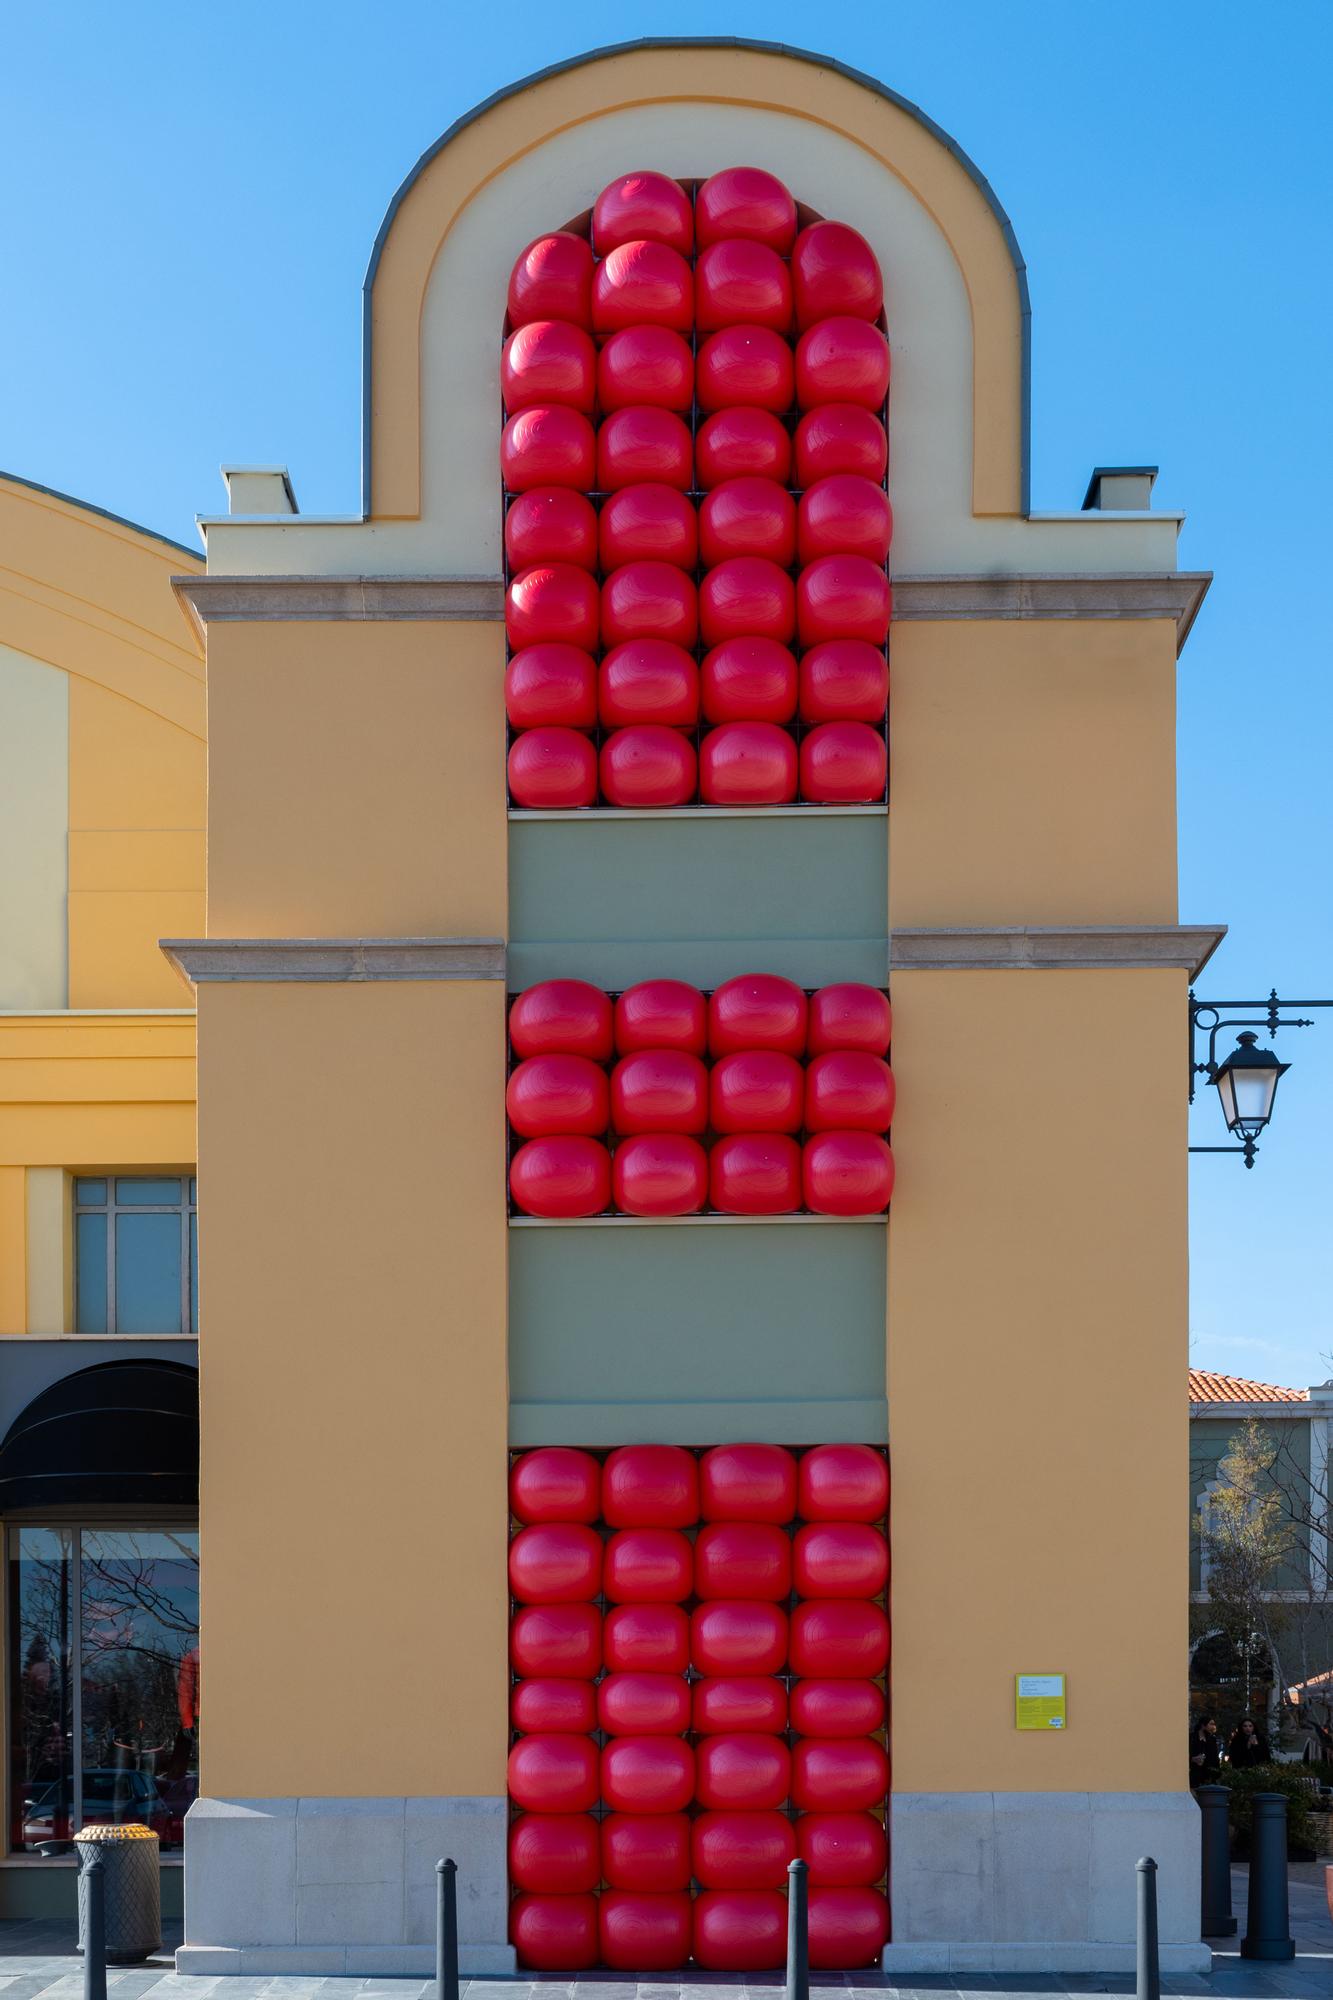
(103,1679)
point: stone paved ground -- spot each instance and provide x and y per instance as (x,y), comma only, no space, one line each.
(38,1962)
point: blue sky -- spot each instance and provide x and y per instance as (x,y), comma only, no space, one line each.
(191,196)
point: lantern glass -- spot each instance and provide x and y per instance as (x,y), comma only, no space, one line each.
(1246,1086)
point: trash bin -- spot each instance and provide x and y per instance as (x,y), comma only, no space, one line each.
(132,1890)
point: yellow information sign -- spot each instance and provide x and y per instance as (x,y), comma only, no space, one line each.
(1039,1701)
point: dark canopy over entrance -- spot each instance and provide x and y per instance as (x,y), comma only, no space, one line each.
(125,1433)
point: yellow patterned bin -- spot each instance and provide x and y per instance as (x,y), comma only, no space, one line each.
(132,1886)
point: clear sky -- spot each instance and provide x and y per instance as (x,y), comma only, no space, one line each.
(190,196)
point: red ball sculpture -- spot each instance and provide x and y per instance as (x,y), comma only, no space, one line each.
(646,1851)
(555,1854)
(565,1017)
(649,1566)
(644,1931)
(648,600)
(543,1705)
(548,361)
(745,202)
(556,1774)
(659,1090)
(647,1638)
(756,1090)
(551,524)
(848,1928)
(839,1774)
(743,1559)
(848,1016)
(847,1173)
(740,1930)
(557,1639)
(842,361)
(659,1173)
(758,1010)
(747,1482)
(842,1850)
(840,437)
(834,270)
(563,1177)
(646,1774)
(742,443)
(646,207)
(745,597)
(642,284)
(738,1636)
(845,514)
(749,680)
(739,1705)
(645,364)
(648,680)
(849,1090)
(742,1849)
(550,1094)
(844,680)
(836,1708)
(648,766)
(551,686)
(650,1486)
(554,1933)
(737,283)
(840,1558)
(552,279)
(844,763)
(643,1704)
(548,446)
(842,1482)
(755,1173)
(842,597)
(748,764)
(661,1014)
(552,601)
(749,366)
(640,445)
(748,517)
(555,1562)
(749,1772)
(839,1638)
(648,523)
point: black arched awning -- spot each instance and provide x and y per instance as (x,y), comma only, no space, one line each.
(125,1433)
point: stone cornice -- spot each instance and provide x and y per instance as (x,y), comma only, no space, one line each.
(1052,947)
(1174,594)
(327,961)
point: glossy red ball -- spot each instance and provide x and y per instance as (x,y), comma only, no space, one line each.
(748,764)
(548,361)
(746,202)
(844,514)
(563,1640)
(647,1774)
(565,1017)
(745,597)
(840,437)
(737,283)
(836,1708)
(548,446)
(659,1090)
(646,1851)
(739,1704)
(554,1933)
(650,1486)
(553,602)
(843,597)
(558,1093)
(648,1566)
(563,1177)
(844,680)
(840,1558)
(640,445)
(644,1932)
(555,1562)
(551,524)
(842,1482)
(755,1173)
(552,768)
(648,600)
(842,361)
(552,279)
(648,523)
(642,207)
(834,270)
(642,284)
(740,1849)
(848,1090)
(647,1638)
(847,1173)
(848,1928)
(848,1016)
(747,1482)
(748,517)
(740,1930)
(648,680)
(643,1704)
(743,1559)
(749,1772)
(648,766)
(738,1636)
(661,1014)
(553,1773)
(757,1010)
(659,1173)
(842,1849)
(749,366)
(646,364)
(741,443)
(555,1854)
(568,1707)
(551,686)
(756,1090)
(749,680)
(839,1638)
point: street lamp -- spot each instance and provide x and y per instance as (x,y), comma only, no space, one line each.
(1248,1078)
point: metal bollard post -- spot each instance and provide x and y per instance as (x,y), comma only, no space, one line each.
(94,1938)
(1148,1981)
(446,1931)
(798,1931)
(1215,1918)
(1267,1926)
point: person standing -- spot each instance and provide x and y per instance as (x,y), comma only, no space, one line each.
(1247,1746)
(1205,1752)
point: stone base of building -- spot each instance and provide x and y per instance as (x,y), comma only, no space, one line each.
(1038,1958)
(328,1886)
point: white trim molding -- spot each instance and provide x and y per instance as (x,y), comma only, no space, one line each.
(327,961)
(1053,947)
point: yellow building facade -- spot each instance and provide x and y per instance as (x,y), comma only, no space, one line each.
(380,1333)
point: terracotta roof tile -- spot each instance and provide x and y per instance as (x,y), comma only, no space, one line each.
(1206,1387)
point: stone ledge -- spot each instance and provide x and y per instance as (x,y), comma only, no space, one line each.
(1053,947)
(904,1958)
(325,1961)
(326,961)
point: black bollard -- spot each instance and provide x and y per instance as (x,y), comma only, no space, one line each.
(94,1933)
(1215,1918)
(1267,1926)
(446,1931)
(1148,1980)
(798,1932)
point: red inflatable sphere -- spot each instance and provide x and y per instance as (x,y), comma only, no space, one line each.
(750,1772)
(739,1705)
(648,523)
(646,1851)
(649,1566)
(642,284)
(835,271)
(548,446)
(749,680)
(743,1559)
(742,1850)
(848,1016)
(748,517)
(836,1708)
(648,600)
(563,1177)
(648,680)
(745,597)
(646,1774)
(642,207)
(839,1774)
(840,437)
(552,279)
(644,1931)
(748,764)
(643,1704)
(548,361)
(647,1638)
(843,597)
(740,1930)
(842,1482)
(742,443)
(848,1928)
(555,1562)
(551,686)
(847,1173)
(659,1173)
(842,361)
(756,1090)
(749,366)
(740,284)
(842,1849)
(568,1707)
(755,1173)
(565,1017)
(747,1482)
(650,1486)
(738,1636)
(648,766)
(759,1010)
(745,202)
(845,514)
(556,1774)
(562,1640)
(659,1090)
(555,1854)
(640,445)
(645,364)
(552,601)
(850,1090)
(550,1094)
(840,1559)
(554,1933)
(839,1638)
(844,680)
(551,524)
(661,1014)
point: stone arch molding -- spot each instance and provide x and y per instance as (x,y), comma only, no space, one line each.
(537,154)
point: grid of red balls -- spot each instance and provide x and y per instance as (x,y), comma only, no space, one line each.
(664,1100)
(699,1644)
(694,460)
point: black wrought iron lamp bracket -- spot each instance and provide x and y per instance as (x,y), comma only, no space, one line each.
(1210,1017)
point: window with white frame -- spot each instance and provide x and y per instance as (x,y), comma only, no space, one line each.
(136,1254)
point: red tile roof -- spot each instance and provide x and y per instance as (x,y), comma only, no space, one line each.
(1206,1387)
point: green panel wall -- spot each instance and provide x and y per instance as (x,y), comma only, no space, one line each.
(1210,1440)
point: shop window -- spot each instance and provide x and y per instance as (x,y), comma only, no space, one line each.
(103,1676)
(136,1254)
